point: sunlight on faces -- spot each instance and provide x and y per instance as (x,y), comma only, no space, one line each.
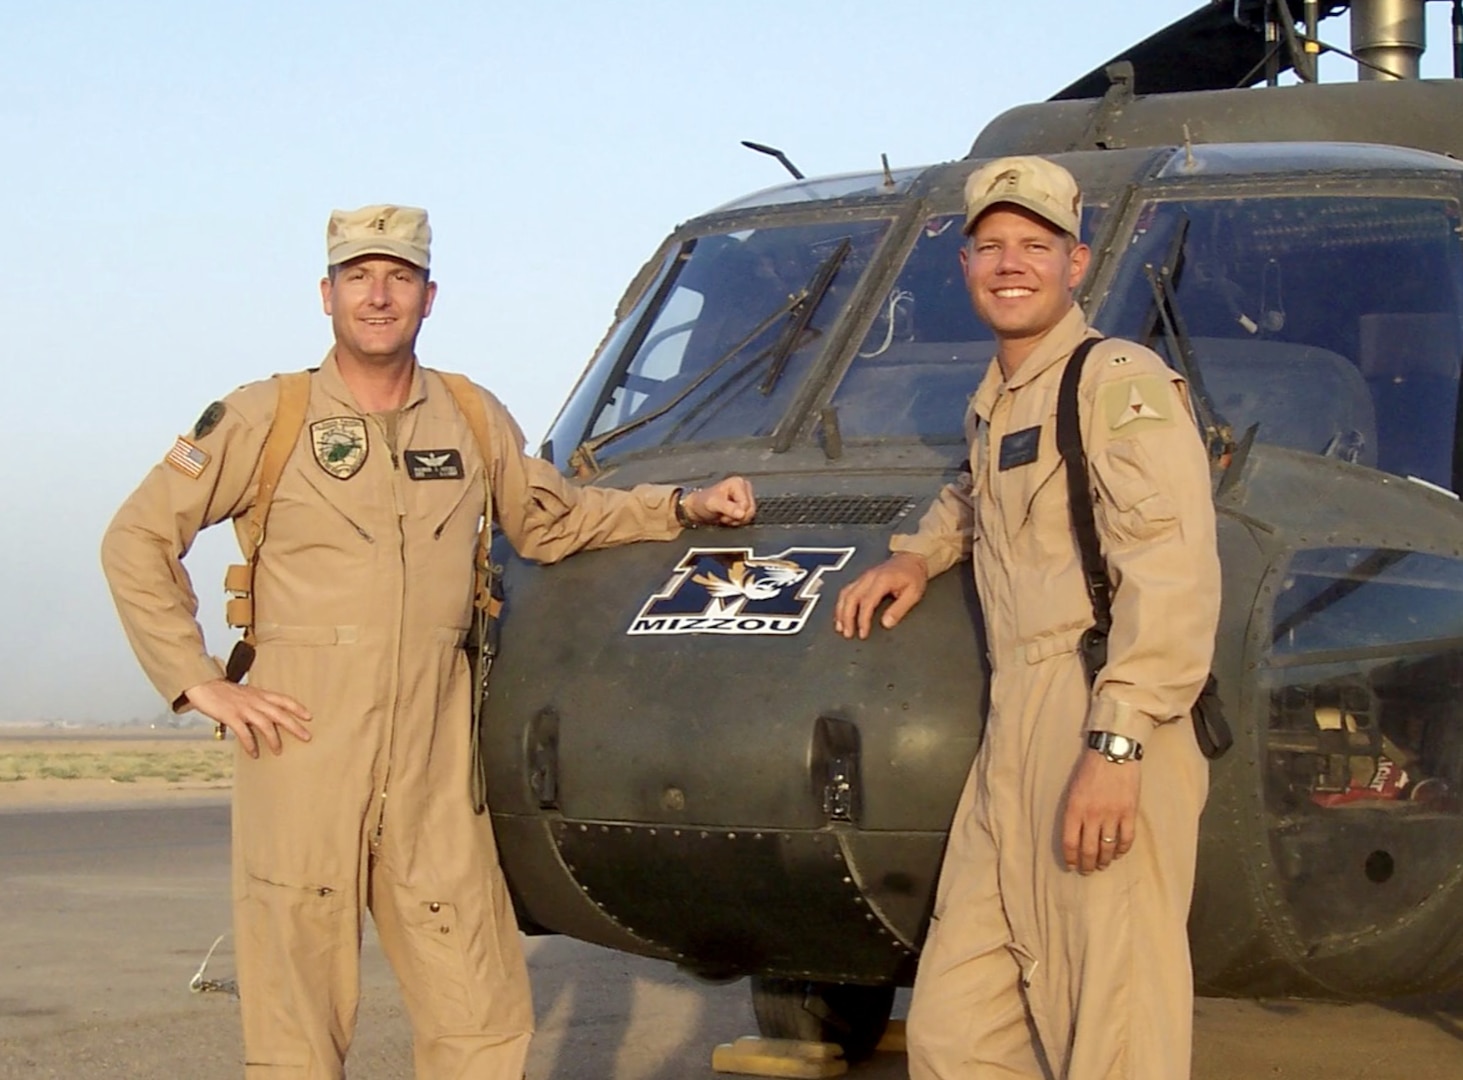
(376,305)
(1020,272)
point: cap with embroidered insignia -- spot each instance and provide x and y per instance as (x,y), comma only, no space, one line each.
(399,231)
(1032,183)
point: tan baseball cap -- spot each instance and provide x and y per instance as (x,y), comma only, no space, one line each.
(1033,183)
(399,231)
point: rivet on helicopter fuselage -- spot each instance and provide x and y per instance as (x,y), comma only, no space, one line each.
(704,834)
(848,881)
(731,836)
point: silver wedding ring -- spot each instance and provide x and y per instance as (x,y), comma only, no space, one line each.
(1109,839)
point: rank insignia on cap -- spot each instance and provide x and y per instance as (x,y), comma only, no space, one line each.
(187,458)
(209,420)
(1135,404)
(340,445)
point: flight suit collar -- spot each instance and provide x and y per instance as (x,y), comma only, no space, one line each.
(1057,345)
(334,384)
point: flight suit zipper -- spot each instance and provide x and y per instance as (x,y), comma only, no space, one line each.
(398,499)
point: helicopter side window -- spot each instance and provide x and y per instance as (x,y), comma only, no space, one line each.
(1331,322)
(732,334)
(926,352)
(1364,733)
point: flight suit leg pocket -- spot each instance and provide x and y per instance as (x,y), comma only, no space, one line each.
(449,962)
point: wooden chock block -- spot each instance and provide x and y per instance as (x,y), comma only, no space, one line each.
(893,1041)
(752,1056)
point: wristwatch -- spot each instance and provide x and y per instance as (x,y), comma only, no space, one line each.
(1118,749)
(683,519)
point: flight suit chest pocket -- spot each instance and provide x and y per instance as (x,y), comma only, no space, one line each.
(454,506)
(1026,461)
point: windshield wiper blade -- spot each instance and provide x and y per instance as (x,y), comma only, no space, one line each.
(1218,434)
(582,460)
(812,295)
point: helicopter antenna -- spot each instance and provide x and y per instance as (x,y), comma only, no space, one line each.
(774,152)
(1188,149)
(1458,39)
(889,176)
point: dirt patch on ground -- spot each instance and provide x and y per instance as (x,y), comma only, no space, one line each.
(46,767)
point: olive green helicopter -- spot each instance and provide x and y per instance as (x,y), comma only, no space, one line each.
(684,761)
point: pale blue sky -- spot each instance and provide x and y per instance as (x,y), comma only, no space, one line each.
(168,168)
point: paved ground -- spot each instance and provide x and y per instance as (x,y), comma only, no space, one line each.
(108,911)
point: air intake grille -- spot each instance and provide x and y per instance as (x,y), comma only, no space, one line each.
(814,510)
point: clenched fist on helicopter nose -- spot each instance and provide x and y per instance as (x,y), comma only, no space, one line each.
(729,503)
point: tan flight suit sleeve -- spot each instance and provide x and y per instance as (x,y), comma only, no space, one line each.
(1155,520)
(546,517)
(144,546)
(946,530)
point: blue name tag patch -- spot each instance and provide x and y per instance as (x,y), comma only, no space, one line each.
(1020,448)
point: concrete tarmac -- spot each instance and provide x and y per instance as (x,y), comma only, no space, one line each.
(106,913)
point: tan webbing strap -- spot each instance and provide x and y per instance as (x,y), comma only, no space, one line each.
(470,403)
(482,640)
(279,443)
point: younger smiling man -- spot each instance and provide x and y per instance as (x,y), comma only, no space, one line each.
(1035,967)
(362,593)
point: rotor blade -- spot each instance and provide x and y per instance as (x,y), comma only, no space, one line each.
(1213,48)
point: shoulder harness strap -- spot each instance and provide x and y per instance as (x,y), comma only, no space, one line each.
(1079,489)
(470,404)
(279,443)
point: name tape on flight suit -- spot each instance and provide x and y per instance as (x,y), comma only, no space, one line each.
(434,464)
(1019,448)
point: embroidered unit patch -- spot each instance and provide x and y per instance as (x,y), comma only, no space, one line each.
(187,458)
(1135,404)
(340,445)
(209,420)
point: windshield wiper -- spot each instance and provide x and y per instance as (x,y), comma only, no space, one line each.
(1218,434)
(812,295)
(799,309)
(582,460)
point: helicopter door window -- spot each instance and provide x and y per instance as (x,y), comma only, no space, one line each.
(1364,734)
(1331,322)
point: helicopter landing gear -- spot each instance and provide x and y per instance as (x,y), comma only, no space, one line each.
(852,1016)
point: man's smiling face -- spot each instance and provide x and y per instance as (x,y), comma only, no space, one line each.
(376,304)
(1020,271)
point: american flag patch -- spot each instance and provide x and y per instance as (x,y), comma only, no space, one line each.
(187,458)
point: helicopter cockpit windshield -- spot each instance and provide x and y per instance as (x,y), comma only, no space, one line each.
(725,338)
(1330,321)
(926,351)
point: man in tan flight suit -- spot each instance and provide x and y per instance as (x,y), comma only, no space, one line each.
(1035,966)
(364,591)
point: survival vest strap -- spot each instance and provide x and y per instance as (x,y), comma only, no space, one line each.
(1210,727)
(279,443)
(487,604)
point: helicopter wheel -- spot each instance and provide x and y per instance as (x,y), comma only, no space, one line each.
(852,1016)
